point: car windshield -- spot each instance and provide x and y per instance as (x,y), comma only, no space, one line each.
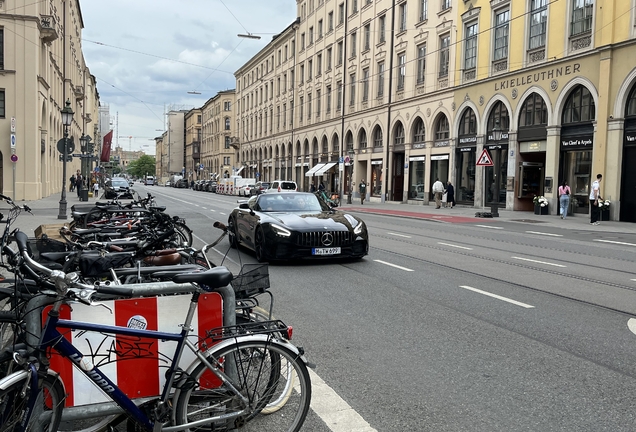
(119,182)
(289,203)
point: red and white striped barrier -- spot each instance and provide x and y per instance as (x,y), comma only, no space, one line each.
(136,365)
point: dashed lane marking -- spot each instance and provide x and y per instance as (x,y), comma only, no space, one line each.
(488,226)
(399,235)
(545,234)
(615,242)
(394,265)
(455,246)
(539,262)
(506,299)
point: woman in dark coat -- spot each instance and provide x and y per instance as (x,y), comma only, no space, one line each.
(450,195)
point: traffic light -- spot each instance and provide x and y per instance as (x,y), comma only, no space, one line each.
(91,147)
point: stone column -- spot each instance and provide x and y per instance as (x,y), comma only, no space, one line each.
(552,154)
(611,185)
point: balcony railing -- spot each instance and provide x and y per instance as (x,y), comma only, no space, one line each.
(48,31)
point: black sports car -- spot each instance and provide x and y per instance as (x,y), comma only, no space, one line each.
(290,225)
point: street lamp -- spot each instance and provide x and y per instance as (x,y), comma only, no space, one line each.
(67,119)
(351,153)
(496,136)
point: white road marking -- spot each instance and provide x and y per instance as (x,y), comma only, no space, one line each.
(222,213)
(616,242)
(540,262)
(399,235)
(489,226)
(506,299)
(455,246)
(634,280)
(212,210)
(393,265)
(197,205)
(545,234)
(204,208)
(631,324)
(333,410)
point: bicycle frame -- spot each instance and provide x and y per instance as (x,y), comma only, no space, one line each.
(51,337)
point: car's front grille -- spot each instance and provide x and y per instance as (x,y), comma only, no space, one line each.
(324,238)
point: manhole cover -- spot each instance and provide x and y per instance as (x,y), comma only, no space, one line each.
(528,221)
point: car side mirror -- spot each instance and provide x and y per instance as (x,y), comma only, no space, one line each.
(244,206)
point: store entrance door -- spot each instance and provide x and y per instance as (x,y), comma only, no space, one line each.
(628,186)
(398,177)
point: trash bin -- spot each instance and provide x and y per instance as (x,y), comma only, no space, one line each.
(84,195)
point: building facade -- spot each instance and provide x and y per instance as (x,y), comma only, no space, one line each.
(41,67)
(219,152)
(193,123)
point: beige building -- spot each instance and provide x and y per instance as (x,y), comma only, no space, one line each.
(219,151)
(42,66)
(161,158)
(193,123)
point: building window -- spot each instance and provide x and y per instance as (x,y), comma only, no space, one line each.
(354,36)
(328,59)
(302,73)
(377,137)
(582,11)
(444,57)
(402,17)
(399,134)
(310,68)
(2,104)
(534,111)
(380,79)
(227,105)
(363,139)
(227,123)
(382,29)
(340,53)
(341,11)
(227,142)
(579,106)
(401,71)
(309,106)
(319,29)
(352,89)
(284,115)
(311,35)
(470,47)
(365,84)
(446,4)
(302,107)
(538,23)
(468,123)
(421,63)
(419,133)
(502,24)
(442,130)
(339,97)
(318,102)
(423,10)
(319,64)
(354,6)
(1,49)
(330,22)
(328,98)
(367,37)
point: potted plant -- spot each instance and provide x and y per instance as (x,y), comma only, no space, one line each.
(603,206)
(540,205)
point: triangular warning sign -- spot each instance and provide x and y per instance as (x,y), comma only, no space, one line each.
(484,159)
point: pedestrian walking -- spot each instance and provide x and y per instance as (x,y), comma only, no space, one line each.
(363,191)
(312,188)
(79,182)
(564,198)
(192,184)
(321,187)
(450,195)
(72,183)
(96,190)
(438,190)
(595,197)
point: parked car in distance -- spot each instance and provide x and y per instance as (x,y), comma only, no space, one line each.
(282,186)
(279,226)
(117,187)
(211,186)
(246,190)
(182,184)
(260,188)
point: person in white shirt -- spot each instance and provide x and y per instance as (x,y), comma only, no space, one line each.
(438,190)
(595,197)
(96,190)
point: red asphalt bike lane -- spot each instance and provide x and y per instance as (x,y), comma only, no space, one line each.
(437,217)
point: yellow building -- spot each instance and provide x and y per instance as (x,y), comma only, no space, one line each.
(548,75)
(41,67)
(218,153)
(193,123)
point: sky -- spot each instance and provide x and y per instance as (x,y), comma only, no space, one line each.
(146,55)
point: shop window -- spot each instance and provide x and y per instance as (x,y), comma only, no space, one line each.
(579,106)
(377,137)
(363,139)
(419,132)
(442,130)
(534,111)
(399,134)
(499,115)
(468,123)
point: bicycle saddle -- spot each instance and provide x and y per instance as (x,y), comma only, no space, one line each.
(214,278)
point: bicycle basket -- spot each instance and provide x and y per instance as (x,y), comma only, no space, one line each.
(252,279)
(46,244)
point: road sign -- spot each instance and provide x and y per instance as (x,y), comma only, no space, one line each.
(96,169)
(70,147)
(258,174)
(484,159)
(14,158)
(12,140)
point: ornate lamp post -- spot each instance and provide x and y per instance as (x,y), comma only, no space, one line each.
(351,154)
(67,119)
(496,136)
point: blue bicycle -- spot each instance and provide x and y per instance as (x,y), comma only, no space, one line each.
(238,371)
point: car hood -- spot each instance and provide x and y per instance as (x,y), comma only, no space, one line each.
(337,221)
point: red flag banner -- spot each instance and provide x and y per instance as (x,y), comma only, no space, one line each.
(108,138)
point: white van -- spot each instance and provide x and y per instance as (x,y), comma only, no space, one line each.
(150,181)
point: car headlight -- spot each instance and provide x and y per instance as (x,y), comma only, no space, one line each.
(358,228)
(279,230)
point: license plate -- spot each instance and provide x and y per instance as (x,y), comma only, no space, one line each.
(325,251)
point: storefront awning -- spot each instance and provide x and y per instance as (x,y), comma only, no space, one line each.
(326,167)
(315,168)
(239,170)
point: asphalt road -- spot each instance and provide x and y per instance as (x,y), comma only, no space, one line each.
(456,327)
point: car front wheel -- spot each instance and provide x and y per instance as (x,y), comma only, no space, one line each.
(259,246)
(231,233)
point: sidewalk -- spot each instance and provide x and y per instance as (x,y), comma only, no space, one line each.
(45,211)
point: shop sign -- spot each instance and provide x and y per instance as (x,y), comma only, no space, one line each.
(630,138)
(495,147)
(468,140)
(534,146)
(504,137)
(418,146)
(376,162)
(576,142)
(467,149)
(439,157)
(442,143)
(417,158)
(536,77)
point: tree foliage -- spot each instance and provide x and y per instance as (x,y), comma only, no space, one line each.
(141,167)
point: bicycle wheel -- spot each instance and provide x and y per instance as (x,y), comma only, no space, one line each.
(13,403)
(185,235)
(260,369)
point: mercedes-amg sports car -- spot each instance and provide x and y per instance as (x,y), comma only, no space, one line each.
(290,225)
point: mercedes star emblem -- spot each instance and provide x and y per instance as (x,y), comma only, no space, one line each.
(327,239)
